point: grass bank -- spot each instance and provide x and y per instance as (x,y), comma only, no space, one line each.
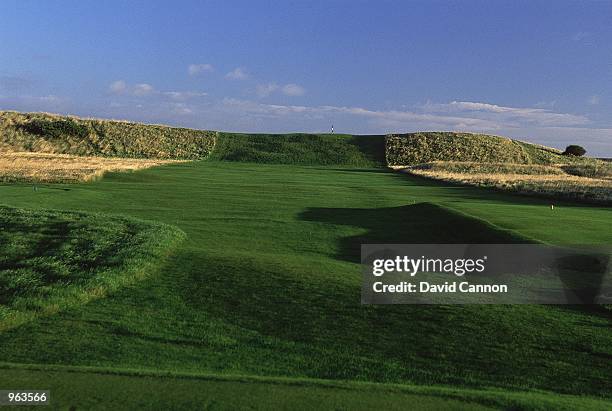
(49,133)
(301,149)
(54,260)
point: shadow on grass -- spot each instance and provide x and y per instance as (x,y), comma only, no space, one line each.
(422,223)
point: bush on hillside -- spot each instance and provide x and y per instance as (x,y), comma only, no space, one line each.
(56,128)
(574,150)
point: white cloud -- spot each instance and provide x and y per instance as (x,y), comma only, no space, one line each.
(264,90)
(508,115)
(293,90)
(181,109)
(183,95)
(118,87)
(143,89)
(197,69)
(594,100)
(238,73)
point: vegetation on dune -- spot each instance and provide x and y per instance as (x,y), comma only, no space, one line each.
(52,260)
(599,169)
(301,149)
(474,167)
(48,133)
(64,168)
(591,183)
(497,162)
(424,147)
(417,148)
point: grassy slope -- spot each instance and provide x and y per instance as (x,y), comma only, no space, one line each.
(267,283)
(53,260)
(425,147)
(303,149)
(49,133)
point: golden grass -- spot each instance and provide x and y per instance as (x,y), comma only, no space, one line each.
(64,168)
(541,180)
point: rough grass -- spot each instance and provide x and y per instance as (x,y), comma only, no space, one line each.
(545,180)
(417,148)
(424,147)
(301,149)
(52,260)
(64,168)
(49,133)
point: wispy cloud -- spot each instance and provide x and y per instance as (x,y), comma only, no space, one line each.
(264,90)
(508,116)
(143,89)
(121,88)
(183,95)
(293,90)
(118,87)
(594,100)
(238,73)
(197,69)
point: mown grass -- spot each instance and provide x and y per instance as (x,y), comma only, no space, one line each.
(301,149)
(81,388)
(52,260)
(65,168)
(268,283)
(49,133)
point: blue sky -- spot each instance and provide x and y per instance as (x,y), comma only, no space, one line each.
(539,71)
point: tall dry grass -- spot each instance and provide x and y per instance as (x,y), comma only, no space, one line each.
(64,168)
(546,180)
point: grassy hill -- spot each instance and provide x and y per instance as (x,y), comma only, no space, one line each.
(49,133)
(425,147)
(302,149)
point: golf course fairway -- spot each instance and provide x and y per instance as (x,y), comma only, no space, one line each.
(264,292)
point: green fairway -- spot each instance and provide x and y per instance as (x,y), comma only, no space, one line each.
(83,388)
(267,283)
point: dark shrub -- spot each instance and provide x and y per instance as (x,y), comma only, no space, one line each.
(574,150)
(56,128)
